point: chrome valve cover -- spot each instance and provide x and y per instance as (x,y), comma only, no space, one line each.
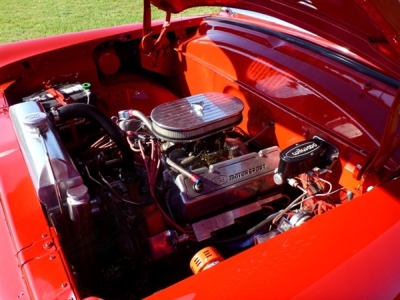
(225,184)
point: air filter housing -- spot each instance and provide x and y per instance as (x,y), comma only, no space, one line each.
(195,117)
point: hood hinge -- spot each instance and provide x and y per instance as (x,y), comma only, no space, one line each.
(155,53)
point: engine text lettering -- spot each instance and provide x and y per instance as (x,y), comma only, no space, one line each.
(247,172)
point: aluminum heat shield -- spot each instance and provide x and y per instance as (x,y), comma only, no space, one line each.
(195,117)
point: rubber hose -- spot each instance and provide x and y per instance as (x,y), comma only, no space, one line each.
(82,110)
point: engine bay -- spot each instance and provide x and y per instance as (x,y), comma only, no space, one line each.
(141,194)
(157,157)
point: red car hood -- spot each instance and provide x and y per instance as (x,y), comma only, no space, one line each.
(368,28)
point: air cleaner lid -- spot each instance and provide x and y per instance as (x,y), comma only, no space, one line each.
(196,116)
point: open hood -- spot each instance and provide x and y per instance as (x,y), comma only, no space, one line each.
(368,28)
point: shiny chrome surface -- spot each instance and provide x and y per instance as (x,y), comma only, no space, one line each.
(228,182)
(78,202)
(51,168)
(204,228)
(196,116)
(300,217)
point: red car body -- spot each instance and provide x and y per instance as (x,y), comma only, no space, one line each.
(338,80)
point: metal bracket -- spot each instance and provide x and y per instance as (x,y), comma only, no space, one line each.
(204,228)
(155,53)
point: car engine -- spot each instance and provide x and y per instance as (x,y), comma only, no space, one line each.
(133,193)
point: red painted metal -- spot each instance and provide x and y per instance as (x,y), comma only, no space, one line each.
(27,265)
(364,27)
(10,273)
(22,50)
(349,252)
(267,71)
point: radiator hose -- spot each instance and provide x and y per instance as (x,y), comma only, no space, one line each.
(82,110)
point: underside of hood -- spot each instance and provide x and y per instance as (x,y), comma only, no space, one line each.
(369,28)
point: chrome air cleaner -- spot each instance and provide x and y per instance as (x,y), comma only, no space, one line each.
(195,117)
